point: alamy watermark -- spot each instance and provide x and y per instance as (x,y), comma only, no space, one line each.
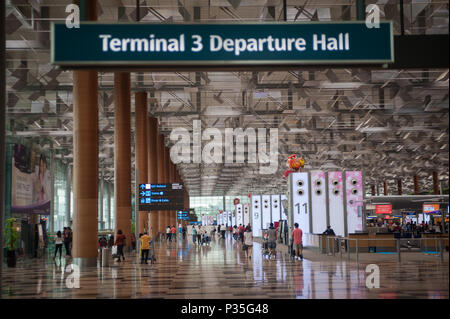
(73,280)
(373,277)
(220,148)
(373,16)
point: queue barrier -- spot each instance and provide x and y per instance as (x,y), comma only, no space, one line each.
(333,245)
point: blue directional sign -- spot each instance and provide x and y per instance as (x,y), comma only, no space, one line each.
(161,196)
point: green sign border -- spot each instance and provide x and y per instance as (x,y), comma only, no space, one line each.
(217,63)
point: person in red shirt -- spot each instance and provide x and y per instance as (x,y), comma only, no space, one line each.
(120,242)
(173,232)
(297,235)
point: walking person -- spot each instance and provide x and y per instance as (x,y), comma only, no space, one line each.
(168,233)
(184,232)
(194,235)
(271,240)
(145,247)
(199,234)
(297,235)
(58,244)
(120,242)
(102,242)
(173,233)
(248,242)
(222,231)
(67,240)
(111,241)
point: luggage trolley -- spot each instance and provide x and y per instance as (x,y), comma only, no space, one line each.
(151,252)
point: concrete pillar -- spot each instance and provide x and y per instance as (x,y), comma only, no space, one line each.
(170,180)
(85,174)
(435,183)
(385,184)
(167,213)
(101,208)
(68,197)
(2,124)
(122,154)
(152,167)
(108,190)
(141,145)
(161,179)
(85,161)
(416,184)
(399,187)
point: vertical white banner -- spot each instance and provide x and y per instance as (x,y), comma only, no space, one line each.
(256,215)
(284,211)
(300,200)
(318,202)
(336,202)
(224,218)
(246,215)
(354,200)
(203,220)
(239,215)
(266,218)
(276,208)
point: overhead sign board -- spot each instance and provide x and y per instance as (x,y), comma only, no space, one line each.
(383,209)
(430,208)
(281,43)
(183,215)
(161,197)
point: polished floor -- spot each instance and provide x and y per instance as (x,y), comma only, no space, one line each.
(185,270)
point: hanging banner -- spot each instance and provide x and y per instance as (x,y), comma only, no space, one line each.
(383,209)
(30,187)
(298,43)
(430,208)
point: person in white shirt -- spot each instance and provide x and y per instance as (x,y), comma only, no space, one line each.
(168,233)
(248,242)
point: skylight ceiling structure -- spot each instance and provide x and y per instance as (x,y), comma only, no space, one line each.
(390,123)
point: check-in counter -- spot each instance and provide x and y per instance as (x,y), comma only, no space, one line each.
(382,242)
(431,241)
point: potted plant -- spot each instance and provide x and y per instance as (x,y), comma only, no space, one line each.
(11,238)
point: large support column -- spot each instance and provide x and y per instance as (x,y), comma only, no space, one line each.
(2,126)
(167,180)
(85,159)
(435,183)
(85,167)
(416,184)
(174,180)
(170,180)
(385,184)
(68,199)
(399,187)
(102,208)
(122,154)
(152,167)
(108,190)
(141,145)
(161,179)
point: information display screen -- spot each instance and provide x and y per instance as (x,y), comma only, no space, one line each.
(161,197)
(383,209)
(430,208)
(182,215)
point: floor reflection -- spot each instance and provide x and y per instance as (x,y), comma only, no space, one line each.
(221,270)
